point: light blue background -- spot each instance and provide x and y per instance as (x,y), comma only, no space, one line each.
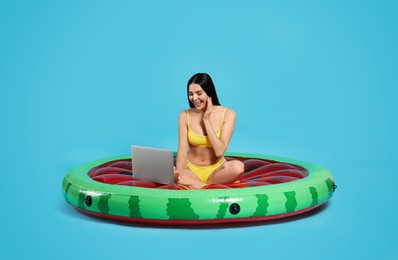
(310,80)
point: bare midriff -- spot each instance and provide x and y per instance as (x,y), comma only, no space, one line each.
(202,156)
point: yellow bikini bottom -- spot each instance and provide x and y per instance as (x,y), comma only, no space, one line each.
(203,172)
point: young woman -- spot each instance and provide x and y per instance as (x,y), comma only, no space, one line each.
(204,133)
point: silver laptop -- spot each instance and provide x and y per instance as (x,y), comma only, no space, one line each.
(152,164)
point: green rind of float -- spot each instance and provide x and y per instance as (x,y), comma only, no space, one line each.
(205,204)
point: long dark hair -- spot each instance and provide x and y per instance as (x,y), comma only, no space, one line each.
(206,83)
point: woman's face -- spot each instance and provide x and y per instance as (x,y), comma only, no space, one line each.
(197,96)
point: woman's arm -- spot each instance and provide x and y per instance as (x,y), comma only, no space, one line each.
(182,141)
(220,145)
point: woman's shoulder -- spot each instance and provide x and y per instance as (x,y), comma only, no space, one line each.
(183,115)
(229,112)
(187,111)
(222,109)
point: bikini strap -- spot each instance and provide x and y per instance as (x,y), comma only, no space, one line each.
(222,118)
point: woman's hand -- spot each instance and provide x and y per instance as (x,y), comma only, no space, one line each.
(209,108)
(177,175)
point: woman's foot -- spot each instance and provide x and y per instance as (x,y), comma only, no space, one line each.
(198,186)
(193,183)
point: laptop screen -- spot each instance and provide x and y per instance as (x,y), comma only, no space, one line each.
(152,164)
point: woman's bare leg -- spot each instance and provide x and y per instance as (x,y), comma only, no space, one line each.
(227,173)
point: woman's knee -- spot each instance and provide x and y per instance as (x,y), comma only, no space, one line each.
(237,167)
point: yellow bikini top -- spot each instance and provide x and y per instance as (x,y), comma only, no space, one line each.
(201,140)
